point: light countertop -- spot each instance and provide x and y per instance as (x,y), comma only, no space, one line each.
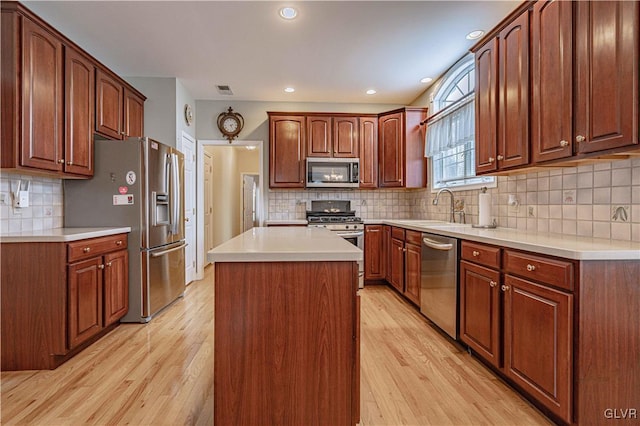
(567,246)
(286,222)
(60,235)
(285,244)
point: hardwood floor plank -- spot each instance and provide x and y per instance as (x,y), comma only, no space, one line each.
(161,373)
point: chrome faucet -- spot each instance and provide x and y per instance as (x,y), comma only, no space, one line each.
(435,202)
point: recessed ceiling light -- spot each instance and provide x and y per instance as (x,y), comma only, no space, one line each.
(474,35)
(289,89)
(371,92)
(288,13)
(426,80)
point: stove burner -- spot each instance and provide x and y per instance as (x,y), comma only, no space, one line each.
(334,219)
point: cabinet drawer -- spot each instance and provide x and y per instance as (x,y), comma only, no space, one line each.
(480,253)
(413,237)
(555,272)
(85,249)
(397,233)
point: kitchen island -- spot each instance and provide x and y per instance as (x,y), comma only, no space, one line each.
(286,328)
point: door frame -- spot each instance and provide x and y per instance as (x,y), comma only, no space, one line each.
(242,175)
(190,138)
(200,144)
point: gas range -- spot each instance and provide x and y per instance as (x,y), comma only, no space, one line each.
(335,215)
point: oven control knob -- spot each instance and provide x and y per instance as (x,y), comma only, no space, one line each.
(347,227)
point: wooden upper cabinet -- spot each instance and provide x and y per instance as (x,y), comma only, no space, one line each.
(287,143)
(606,97)
(552,70)
(345,137)
(513,99)
(319,143)
(486,64)
(109,105)
(368,135)
(79,113)
(42,99)
(401,148)
(133,114)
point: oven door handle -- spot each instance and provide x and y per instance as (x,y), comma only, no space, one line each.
(350,234)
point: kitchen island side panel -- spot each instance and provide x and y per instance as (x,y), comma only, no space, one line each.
(607,383)
(284,343)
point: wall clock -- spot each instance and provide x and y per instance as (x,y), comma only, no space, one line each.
(188,114)
(230,124)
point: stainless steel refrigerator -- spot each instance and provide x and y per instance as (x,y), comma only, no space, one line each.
(138,183)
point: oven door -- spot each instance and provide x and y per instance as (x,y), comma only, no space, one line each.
(357,239)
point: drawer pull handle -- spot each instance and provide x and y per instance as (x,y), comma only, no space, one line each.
(476,253)
(531,268)
(119,242)
(86,249)
(100,266)
(505,287)
(492,283)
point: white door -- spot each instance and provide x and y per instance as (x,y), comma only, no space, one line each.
(208,202)
(189,150)
(249,192)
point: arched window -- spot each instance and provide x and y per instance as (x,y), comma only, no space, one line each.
(450,140)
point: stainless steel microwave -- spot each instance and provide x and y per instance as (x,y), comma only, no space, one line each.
(333,172)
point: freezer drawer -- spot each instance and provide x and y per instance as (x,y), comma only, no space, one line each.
(164,277)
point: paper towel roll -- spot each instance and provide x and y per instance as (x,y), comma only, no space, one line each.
(484,209)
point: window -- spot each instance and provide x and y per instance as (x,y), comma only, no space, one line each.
(451,131)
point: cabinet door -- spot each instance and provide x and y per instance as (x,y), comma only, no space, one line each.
(486,62)
(345,137)
(42,99)
(373,253)
(606,108)
(368,136)
(287,151)
(413,259)
(109,102)
(85,300)
(319,137)
(513,101)
(386,251)
(391,150)
(133,115)
(116,286)
(79,113)
(480,311)
(552,70)
(538,329)
(396,258)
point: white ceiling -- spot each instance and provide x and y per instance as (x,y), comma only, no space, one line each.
(333,52)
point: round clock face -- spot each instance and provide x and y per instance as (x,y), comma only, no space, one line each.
(230,124)
(188,114)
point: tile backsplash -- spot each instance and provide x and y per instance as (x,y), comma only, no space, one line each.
(45,209)
(597,200)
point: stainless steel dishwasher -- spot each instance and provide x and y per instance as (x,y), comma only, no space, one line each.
(439,282)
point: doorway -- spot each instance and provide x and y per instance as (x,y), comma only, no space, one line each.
(249,197)
(226,218)
(188,148)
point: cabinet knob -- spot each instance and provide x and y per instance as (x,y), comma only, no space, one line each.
(500,157)
(61,161)
(564,143)
(69,163)
(86,249)
(475,253)
(119,242)
(531,268)
(505,287)
(492,283)
(108,263)
(100,266)
(491,159)
(122,133)
(404,250)
(580,138)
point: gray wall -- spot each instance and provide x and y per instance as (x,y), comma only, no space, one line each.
(159,108)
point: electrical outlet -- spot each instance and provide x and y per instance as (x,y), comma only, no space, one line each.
(4,199)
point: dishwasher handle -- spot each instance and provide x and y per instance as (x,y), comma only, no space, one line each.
(436,245)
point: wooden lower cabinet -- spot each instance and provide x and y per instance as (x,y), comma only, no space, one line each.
(396,249)
(480,311)
(60,304)
(374,261)
(538,338)
(413,258)
(405,258)
(286,343)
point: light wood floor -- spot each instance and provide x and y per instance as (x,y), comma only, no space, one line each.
(161,373)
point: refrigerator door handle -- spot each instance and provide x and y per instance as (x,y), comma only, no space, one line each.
(163,252)
(175,195)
